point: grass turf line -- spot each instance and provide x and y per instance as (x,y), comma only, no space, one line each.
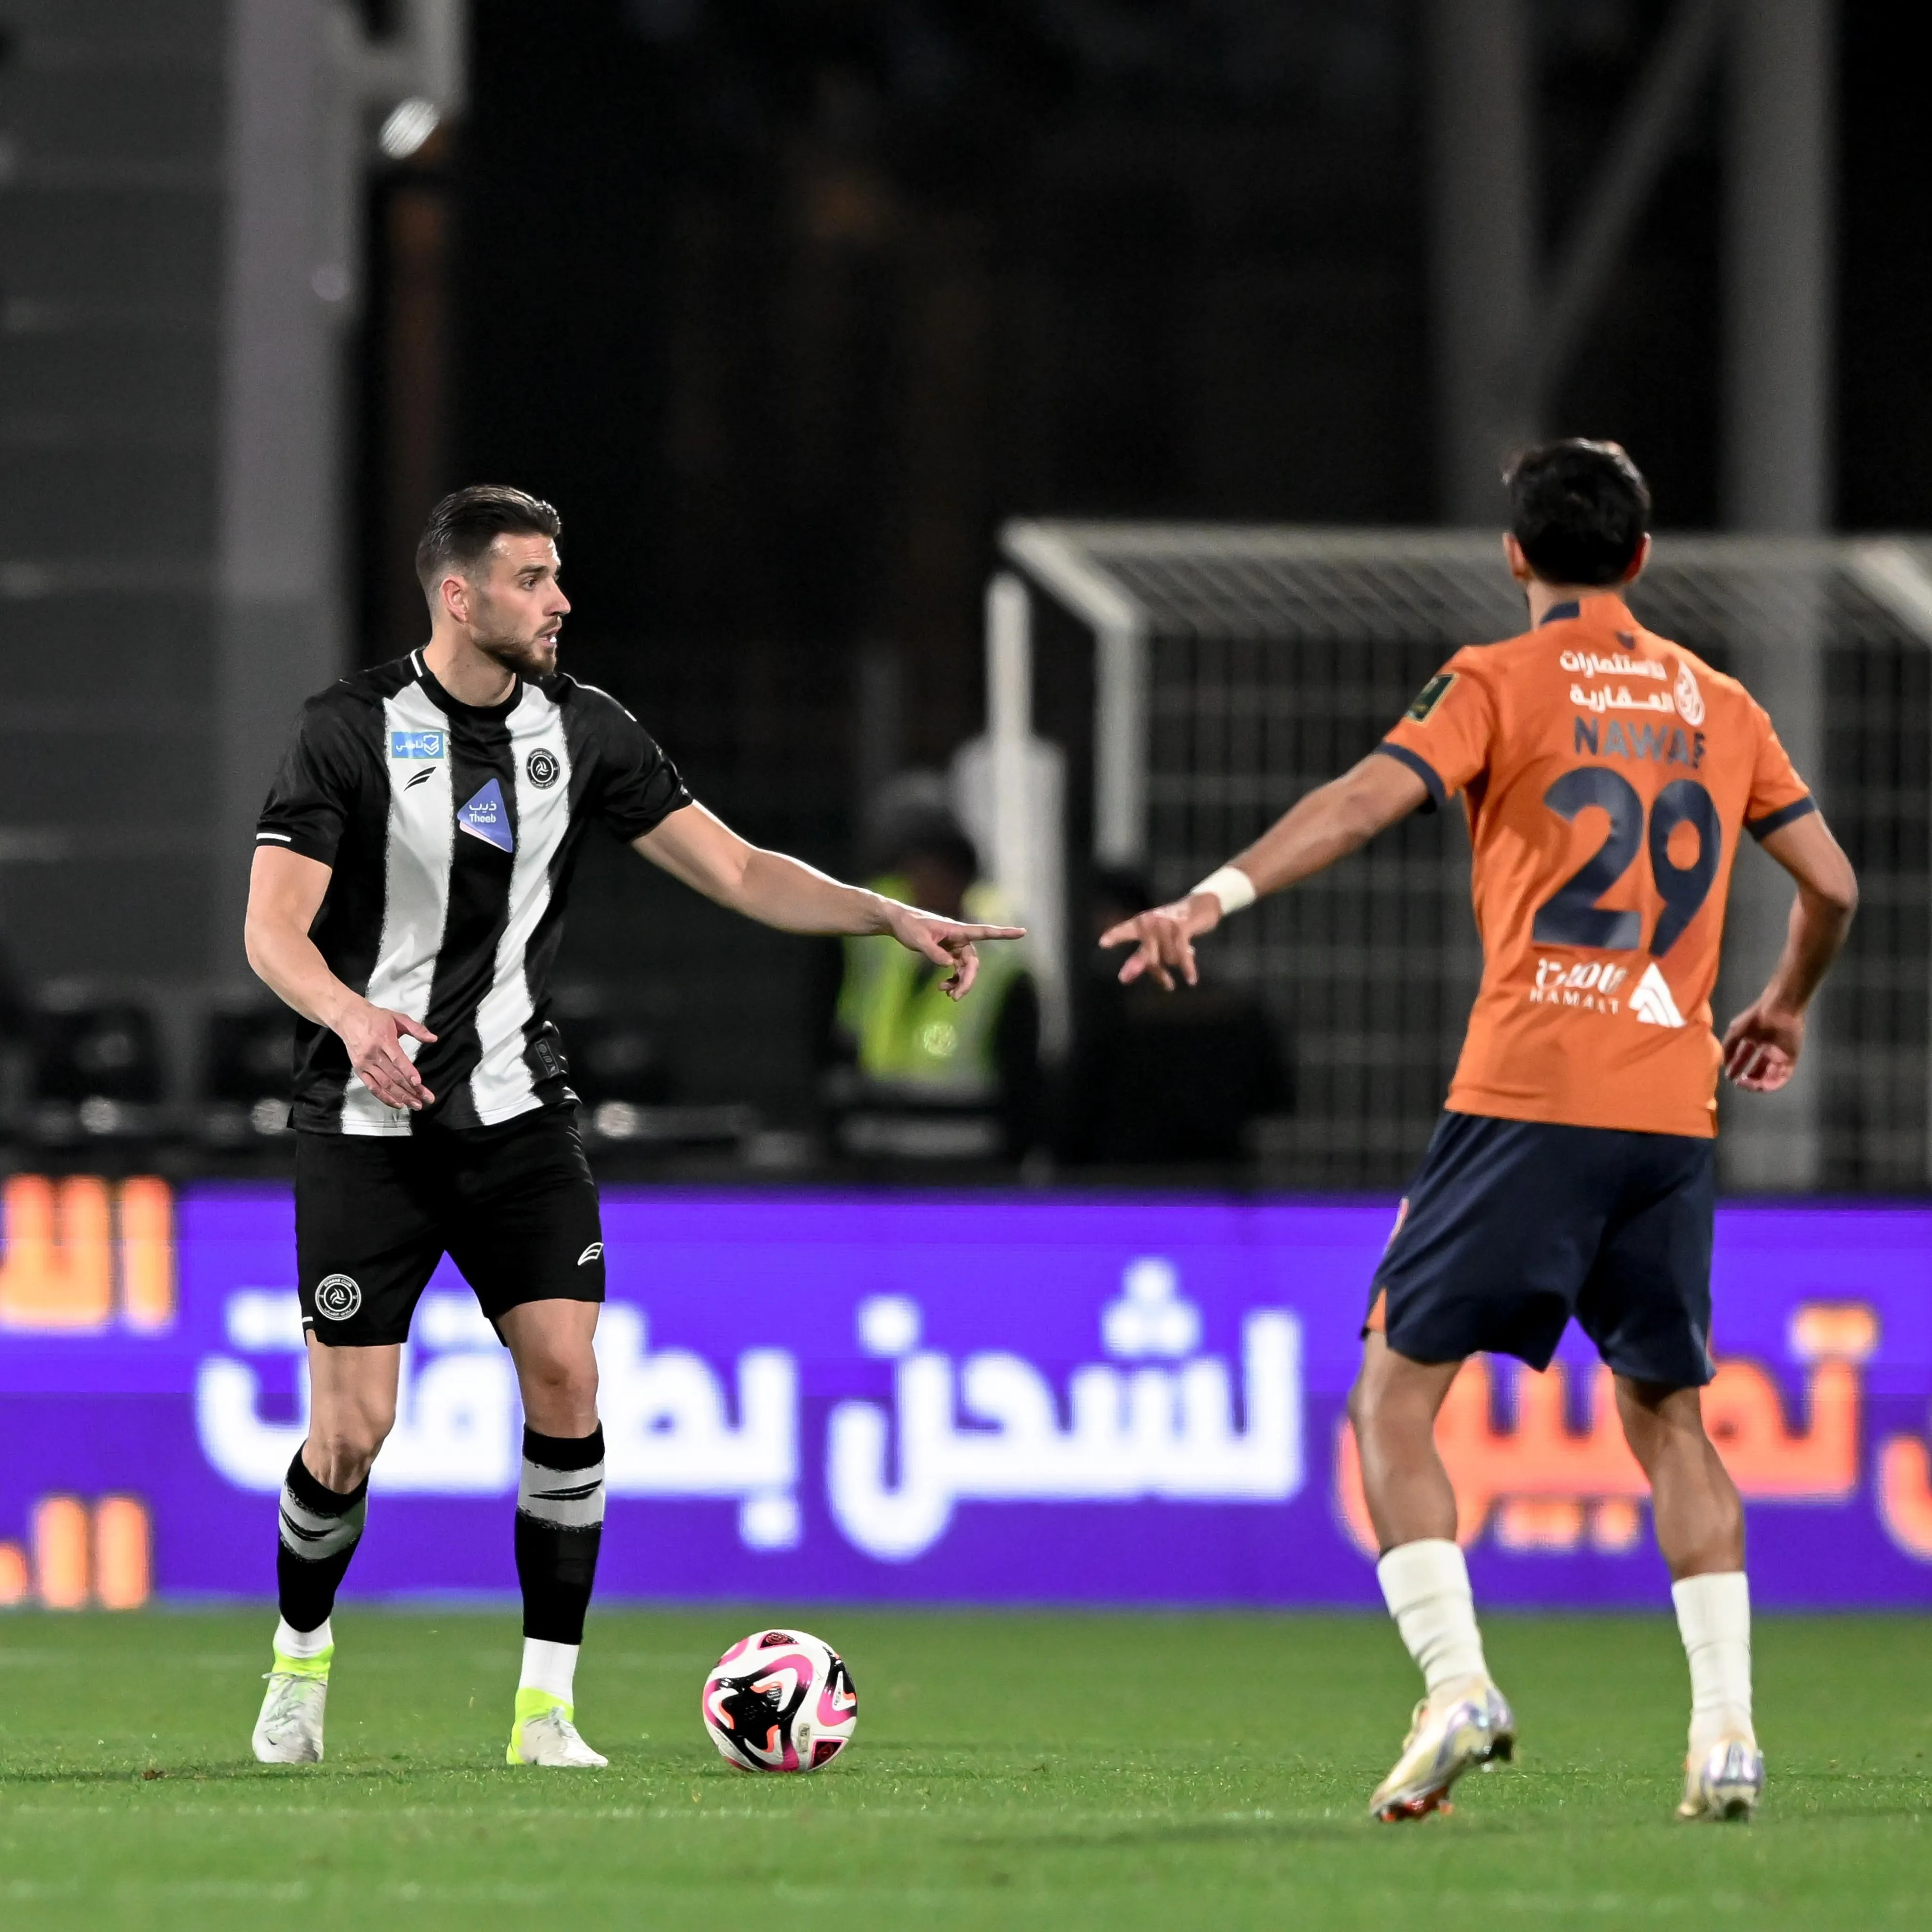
(1010,1770)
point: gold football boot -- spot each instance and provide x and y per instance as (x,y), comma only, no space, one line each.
(1475,1727)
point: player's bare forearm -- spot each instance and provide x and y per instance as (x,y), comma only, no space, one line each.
(1332,821)
(1822,915)
(285,892)
(1763,1044)
(699,849)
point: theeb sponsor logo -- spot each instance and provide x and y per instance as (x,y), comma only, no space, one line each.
(1587,983)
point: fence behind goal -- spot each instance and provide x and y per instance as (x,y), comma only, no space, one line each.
(1199,679)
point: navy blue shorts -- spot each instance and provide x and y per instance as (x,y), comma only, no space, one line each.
(1512,1227)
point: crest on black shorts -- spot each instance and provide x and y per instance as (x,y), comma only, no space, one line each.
(338,1296)
(543,768)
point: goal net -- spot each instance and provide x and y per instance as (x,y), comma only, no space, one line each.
(1197,680)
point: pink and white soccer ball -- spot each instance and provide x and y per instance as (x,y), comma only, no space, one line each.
(780,1700)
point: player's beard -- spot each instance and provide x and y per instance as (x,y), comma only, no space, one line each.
(529,657)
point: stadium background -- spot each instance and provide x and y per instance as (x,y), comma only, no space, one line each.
(1089,410)
(858,342)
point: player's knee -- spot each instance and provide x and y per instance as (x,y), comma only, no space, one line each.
(564,1381)
(348,1446)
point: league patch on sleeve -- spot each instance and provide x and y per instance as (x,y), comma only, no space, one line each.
(1431,695)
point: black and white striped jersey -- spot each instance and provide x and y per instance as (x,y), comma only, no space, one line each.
(452,829)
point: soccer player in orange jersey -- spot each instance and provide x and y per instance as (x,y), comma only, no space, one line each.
(1607,774)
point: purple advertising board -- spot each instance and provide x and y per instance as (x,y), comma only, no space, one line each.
(965,1400)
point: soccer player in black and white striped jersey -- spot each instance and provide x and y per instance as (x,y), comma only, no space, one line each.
(411,869)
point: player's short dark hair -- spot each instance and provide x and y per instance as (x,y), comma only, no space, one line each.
(1580,509)
(462,527)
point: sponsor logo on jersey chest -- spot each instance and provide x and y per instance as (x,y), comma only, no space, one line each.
(419,745)
(487,818)
(542,769)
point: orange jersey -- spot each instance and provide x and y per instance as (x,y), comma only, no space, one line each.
(1607,773)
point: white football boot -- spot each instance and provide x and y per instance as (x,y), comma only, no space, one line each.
(1472,1726)
(289,1731)
(1724,1783)
(545,1734)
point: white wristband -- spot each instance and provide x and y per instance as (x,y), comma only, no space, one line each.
(1231,885)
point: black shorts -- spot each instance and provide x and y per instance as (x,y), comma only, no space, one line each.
(513,1205)
(1512,1227)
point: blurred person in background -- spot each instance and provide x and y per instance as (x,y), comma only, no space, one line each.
(911,1074)
(1153,1081)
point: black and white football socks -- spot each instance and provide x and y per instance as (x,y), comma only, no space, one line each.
(559,1526)
(320,1529)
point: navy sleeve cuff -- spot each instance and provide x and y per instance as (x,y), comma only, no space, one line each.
(1438,793)
(1776,821)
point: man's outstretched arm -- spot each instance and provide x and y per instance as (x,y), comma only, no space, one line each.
(1331,822)
(702,852)
(1762,1045)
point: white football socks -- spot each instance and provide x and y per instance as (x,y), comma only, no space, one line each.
(551,1667)
(1714,1618)
(303,1645)
(1425,1585)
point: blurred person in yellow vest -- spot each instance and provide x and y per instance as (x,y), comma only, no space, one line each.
(915,1076)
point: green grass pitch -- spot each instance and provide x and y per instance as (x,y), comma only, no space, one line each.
(1010,1770)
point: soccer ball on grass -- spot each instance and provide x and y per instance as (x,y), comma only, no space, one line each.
(780,1700)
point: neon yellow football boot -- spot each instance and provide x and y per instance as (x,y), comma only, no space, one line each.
(1472,1726)
(545,1734)
(289,1731)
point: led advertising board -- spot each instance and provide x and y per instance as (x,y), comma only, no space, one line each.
(967,1400)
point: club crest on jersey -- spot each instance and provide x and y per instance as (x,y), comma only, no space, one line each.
(418,744)
(542,769)
(1690,699)
(486,817)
